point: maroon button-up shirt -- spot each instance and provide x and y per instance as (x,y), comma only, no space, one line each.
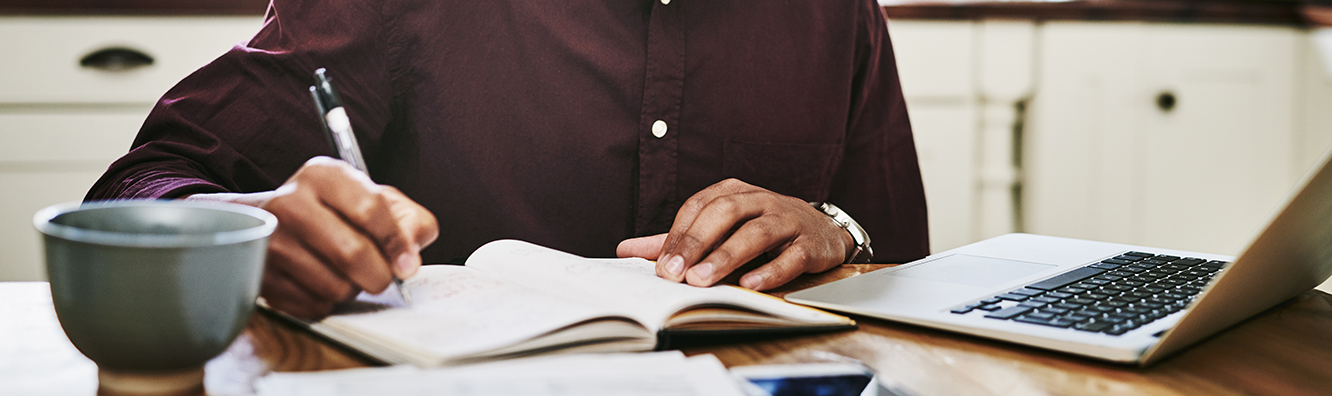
(534,119)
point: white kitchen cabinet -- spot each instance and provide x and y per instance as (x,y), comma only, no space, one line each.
(936,64)
(1097,157)
(62,123)
(1185,136)
(963,82)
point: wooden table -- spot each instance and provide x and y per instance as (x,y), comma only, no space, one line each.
(1286,351)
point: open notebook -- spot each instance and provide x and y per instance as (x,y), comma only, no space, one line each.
(515,298)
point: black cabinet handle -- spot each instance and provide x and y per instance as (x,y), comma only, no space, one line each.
(1166,101)
(116,59)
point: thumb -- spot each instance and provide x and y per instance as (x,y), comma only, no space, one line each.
(648,247)
(418,229)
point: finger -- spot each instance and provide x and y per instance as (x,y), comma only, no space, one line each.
(751,239)
(792,262)
(336,243)
(369,209)
(670,265)
(289,256)
(417,223)
(284,295)
(648,247)
(714,224)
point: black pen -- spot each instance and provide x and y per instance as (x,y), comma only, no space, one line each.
(333,117)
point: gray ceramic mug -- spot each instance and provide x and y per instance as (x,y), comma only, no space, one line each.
(152,287)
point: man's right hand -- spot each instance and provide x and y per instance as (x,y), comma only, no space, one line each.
(338,233)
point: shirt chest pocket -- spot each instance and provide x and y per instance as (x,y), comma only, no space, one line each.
(799,170)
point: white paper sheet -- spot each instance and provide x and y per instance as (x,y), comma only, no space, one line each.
(654,374)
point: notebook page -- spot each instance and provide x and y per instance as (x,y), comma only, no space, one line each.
(628,286)
(458,311)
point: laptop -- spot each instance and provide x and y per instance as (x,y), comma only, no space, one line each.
(1121,303)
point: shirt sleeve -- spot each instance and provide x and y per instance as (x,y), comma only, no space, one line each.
(246,121)
(879,182)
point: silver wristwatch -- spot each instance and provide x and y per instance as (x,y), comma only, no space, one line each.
(862,253)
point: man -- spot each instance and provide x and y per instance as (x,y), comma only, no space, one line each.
(574,125)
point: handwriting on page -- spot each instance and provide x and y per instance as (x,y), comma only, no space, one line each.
(458,310)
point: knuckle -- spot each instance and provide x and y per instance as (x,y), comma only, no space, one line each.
(722,257)
(688,242)
(766,233)
(798,255)
(726,203)
(349,251)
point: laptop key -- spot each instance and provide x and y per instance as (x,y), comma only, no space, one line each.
(1014,297)
(1009,313)
(1046,299)
(1054,310)
(1077,317)
(963,310)
(1118,287)
(989,307)
(1051,322)
(1104,266)
(1116,330)
(1066,278)
(1095,296)
(1176,295)
(1056,294)
(1117,261)
(1080,301)
(1095,327)
(1071,290)
(1027,292)
(1190,261)
(1139,254)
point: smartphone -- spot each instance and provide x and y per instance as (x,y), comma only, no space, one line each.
(815,379)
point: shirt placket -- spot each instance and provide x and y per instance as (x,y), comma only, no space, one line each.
(659,123)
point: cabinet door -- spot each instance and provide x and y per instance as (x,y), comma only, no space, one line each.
(46,65)
(52,156)
(936,65)
(1176,136)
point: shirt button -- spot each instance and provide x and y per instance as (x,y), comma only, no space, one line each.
(665,2)
(659,127)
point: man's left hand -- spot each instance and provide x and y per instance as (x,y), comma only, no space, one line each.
(731,223)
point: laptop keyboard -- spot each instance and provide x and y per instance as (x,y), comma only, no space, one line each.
(1112,296)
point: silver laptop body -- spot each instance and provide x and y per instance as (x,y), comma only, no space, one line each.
(1291,256)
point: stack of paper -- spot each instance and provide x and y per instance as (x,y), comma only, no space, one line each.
(656,374)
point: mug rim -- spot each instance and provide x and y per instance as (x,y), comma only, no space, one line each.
(42,221)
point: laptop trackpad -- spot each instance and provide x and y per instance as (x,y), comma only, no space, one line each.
(972,270)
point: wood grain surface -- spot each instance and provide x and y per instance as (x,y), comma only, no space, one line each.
(1286,350)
